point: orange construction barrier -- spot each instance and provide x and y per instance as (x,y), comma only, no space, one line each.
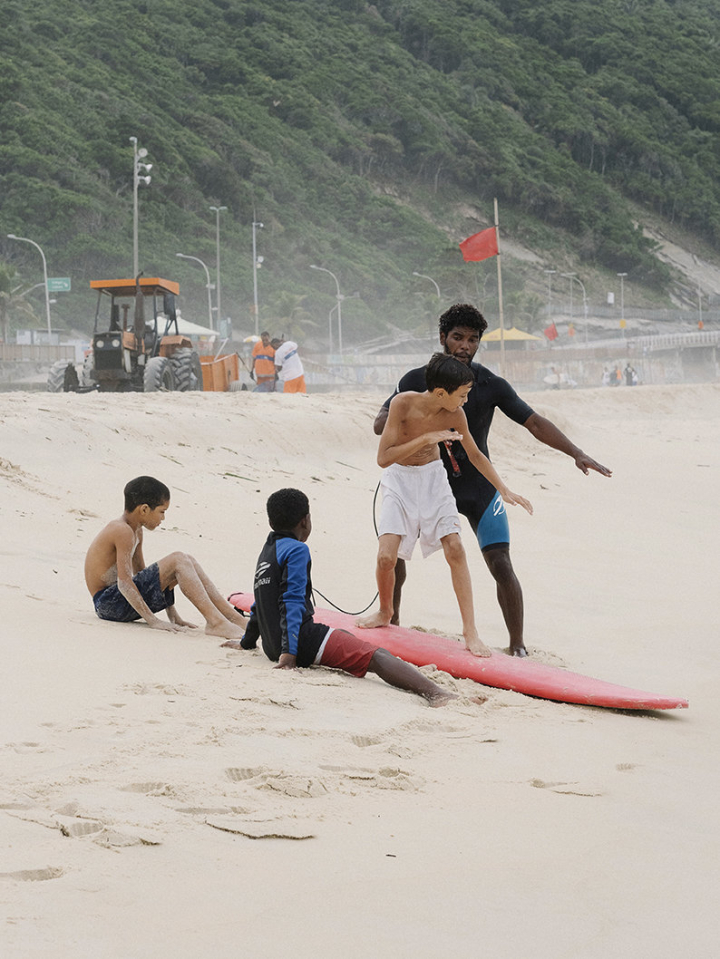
(219,372)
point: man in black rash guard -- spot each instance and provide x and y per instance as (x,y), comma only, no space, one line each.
(461,328)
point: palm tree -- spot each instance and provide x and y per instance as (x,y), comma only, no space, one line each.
(12,299)
(291,317)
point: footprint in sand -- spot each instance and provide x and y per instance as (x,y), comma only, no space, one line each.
(150,789)
(363,741)
(237,775)
(555,787)
(80,828)
(388,777)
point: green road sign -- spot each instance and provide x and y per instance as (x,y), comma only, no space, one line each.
(58,284)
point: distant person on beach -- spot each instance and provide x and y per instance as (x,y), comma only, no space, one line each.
(417,499)
(263,364)
(282,614)
(124,589)
(461,328)
(289,366)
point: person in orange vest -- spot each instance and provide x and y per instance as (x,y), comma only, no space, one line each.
(263,359)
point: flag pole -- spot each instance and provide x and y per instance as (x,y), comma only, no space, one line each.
(500,295)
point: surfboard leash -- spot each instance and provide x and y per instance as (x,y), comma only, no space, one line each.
(347,612)
(339,609)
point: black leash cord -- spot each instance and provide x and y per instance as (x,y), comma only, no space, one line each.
(377,490)
(346,611)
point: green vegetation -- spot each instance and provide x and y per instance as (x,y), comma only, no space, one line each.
(368,138)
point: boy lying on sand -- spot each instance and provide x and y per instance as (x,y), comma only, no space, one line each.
(282,614)
(417,499)
(124,589)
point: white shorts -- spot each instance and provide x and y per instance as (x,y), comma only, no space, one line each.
(418,502)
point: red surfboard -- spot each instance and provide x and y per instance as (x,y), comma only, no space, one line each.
(498,670)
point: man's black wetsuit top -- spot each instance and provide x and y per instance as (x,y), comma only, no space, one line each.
(282,613)
(472,492)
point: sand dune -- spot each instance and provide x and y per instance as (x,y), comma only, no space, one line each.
(161,796)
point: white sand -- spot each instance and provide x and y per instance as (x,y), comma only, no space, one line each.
(135,765)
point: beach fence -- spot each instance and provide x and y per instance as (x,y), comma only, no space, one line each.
(658,359)
(25,365)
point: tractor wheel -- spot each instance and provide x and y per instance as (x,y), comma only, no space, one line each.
(57,375)
(187,370)
(158,375)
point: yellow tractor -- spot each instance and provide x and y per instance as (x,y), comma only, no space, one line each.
(132,353)
(129,353)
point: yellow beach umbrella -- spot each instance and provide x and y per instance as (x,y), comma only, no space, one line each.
(512,334)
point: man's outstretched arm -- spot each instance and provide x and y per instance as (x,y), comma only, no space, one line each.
(546,431)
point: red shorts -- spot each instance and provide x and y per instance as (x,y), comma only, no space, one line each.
(346,651)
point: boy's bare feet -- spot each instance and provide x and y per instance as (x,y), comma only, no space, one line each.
(225,629)
(232,644)
(444,696)
(381,618)
(441,698)
(476,646)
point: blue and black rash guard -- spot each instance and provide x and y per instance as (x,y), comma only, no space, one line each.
(472,492)
(283,611)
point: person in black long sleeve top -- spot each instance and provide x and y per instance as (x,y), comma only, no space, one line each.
(282,616)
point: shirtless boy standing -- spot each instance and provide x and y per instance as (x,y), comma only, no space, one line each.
(417,499)
(124,589)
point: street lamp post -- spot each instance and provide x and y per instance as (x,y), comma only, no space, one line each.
(138,164)
(437,290)
(257,261)
(339,297)
(571,277)
(24,239)
(330,321)
(550,274)
(218,303)
(622,300)
(423,275)
(208,284)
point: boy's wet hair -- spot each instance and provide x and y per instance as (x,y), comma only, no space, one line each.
(446,373)
(286,508)
(462,314)
(145,491)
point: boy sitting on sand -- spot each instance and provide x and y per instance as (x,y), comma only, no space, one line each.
(282,614)
(417,499)
(124,589)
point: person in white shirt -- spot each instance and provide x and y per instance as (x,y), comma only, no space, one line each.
(289,366)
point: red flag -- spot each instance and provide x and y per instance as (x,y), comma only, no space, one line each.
(551,331)
(480,246)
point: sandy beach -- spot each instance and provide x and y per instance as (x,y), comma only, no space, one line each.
(163,797)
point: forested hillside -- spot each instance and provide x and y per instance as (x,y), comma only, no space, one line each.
(367,138)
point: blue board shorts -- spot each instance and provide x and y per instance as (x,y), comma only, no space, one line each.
(491,527)
(110,603)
